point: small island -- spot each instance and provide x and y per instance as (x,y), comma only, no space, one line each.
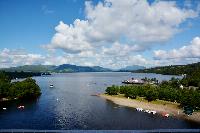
(167,97)
(26,89)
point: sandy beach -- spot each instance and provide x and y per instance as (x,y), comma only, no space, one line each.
(170,108)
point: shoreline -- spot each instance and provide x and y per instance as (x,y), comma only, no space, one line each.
(171,109)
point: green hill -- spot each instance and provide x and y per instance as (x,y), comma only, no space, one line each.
(51,68)
(31,68)
(74,68)
(172,69)
(191,72)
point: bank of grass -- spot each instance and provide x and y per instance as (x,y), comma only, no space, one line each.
(159,106)
(165,93)
(142,99)
(165,97)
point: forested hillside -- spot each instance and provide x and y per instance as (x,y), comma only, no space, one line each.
(191,72)
(31,68)
(64,68)
(172,69)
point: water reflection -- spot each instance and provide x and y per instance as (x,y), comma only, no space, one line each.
(69,105)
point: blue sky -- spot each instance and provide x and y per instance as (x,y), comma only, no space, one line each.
(108,33)
(26,24)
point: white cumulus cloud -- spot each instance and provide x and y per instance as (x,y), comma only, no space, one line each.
(70,38)
(107,22)
(16,57)
(113,34)
(188,51)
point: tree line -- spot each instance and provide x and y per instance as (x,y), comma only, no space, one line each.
(21,74)
(26,89)
(167,91)
(191,71)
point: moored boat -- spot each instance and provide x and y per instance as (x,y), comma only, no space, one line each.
(51,85)
(20,107)
(133,81)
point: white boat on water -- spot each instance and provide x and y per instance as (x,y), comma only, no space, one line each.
(166,115)
(153,112)
(51,85)
(147,111)
(139,109)
(133,81)
(20,107)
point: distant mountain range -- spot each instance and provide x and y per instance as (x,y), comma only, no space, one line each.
(64,68)
(132,68)
(31,68)
(74,68)
(52,68)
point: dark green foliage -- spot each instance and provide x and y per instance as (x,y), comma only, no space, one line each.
(25,89)
(4,77)
(151,93)
(192,71)
(170,90)
(123,89)
(174,82)
(113,90)
(165,91)
(190,98)
(192,79)
(131,92)
(4,84)
(64,68)
(172,69)
(31,68)
(14,75)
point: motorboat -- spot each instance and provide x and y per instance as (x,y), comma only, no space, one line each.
(20,107)
(51,85)
(133,81)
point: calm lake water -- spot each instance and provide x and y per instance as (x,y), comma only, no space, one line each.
(69,105)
